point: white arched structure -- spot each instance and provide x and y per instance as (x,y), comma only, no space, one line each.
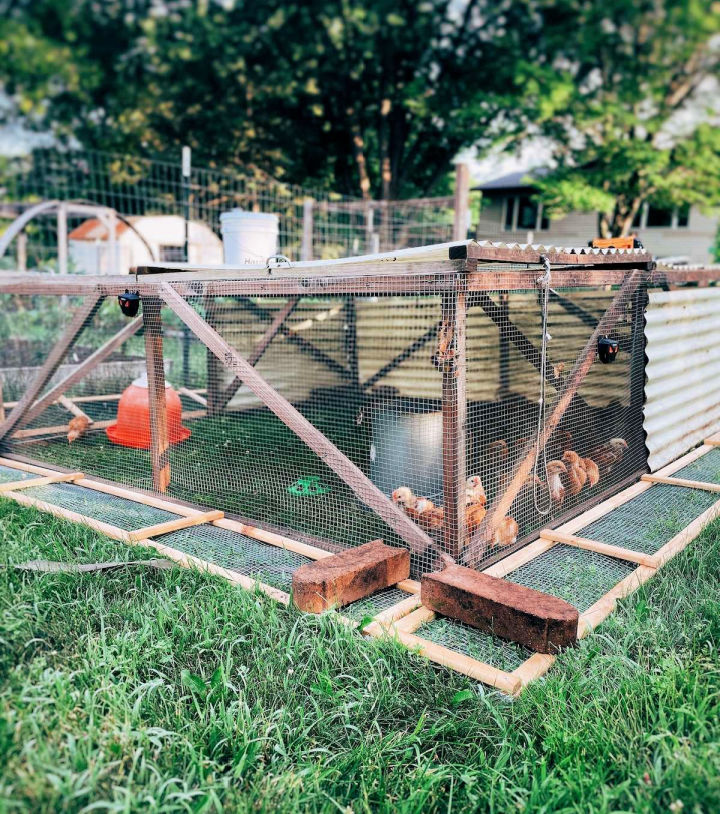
(105,214)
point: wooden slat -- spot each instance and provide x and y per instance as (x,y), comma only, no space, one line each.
(689,484)
(399,610)
(58,352)
(175,525)
(416,619)
(351,474)
(533,668)
(599,547)
(461,663)
(159,439)
(82,369)
(12,486)
(192,394)
(454,412)
(61,429)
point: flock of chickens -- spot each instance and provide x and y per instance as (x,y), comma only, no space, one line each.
(567,475)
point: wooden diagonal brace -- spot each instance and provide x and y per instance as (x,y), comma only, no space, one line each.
(84,368)
(83,315)
(475,550)
(259,349)
(29,483)
(343,467)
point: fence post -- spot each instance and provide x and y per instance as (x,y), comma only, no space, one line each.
(62,238)
(462,201)
(186,168)
(306,249)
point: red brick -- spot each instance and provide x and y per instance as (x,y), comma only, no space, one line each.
(538,621)
(350,575)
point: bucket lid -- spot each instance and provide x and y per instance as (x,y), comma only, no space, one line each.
(142,381)
(242,214)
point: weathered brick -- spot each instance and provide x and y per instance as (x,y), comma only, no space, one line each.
(538,621)
(350,575)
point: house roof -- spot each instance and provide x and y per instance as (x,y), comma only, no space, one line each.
(94,229)
(522,179)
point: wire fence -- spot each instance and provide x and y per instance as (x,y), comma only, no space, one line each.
(313,224)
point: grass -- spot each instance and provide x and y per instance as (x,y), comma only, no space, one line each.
(145,690)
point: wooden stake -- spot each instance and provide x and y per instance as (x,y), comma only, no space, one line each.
(601,548)
(533,668)
(689,484)
(343,467)
(159,443)
(175,525)
(71,407)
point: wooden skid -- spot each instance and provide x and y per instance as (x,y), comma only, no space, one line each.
(176,525)
(404,618)
(15,485)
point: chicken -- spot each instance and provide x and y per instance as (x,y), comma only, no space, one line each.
(77,427)
(474,515)
(444,355)
(593,473)
(555,470)
(403,496)
(576,476)
(474,490)
(565,440)
(610,453)
(506,533)
(436,518)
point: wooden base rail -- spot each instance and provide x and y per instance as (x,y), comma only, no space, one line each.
(176,525)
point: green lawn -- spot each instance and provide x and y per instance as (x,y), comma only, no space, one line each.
(172,691)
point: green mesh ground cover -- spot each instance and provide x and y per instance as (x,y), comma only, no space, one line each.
(117,511)
(372,605)
(474,643)
(230,549)
(706,468)
(8,475)
(649,520)
(577,576)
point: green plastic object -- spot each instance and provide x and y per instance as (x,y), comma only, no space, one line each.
(308,487)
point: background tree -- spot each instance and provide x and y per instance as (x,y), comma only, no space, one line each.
(368,97)
(625,93)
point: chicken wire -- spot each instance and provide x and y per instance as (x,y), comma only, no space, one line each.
(705,469)
(381,374)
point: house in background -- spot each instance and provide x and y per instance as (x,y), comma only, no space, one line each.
(91,252)
(510,214)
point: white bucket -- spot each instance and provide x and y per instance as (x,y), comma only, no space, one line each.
(248,237)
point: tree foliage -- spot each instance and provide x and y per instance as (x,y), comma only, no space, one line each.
(369,97)
(625,92)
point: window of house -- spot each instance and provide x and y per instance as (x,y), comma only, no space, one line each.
(522,213)
(661,217)
(172,254)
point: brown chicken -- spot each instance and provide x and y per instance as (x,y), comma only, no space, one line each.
(506,533)
(576,476)
(403,496)
(474,515)
(556,490)
(593,473)
(77,427)
(610,453)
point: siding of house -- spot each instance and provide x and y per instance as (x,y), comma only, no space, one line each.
(578,228)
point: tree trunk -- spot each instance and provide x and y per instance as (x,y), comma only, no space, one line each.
(359,153)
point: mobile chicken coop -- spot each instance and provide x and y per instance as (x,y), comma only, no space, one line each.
(475,400)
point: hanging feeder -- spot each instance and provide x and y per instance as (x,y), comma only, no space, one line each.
(133,417)
(129,303)
(607,349)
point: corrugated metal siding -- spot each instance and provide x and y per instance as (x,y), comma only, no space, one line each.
(683,371)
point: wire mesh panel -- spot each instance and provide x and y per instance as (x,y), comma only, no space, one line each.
(344,407)
(651,519)
(577,576)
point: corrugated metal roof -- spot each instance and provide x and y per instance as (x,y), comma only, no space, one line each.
(683,371)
